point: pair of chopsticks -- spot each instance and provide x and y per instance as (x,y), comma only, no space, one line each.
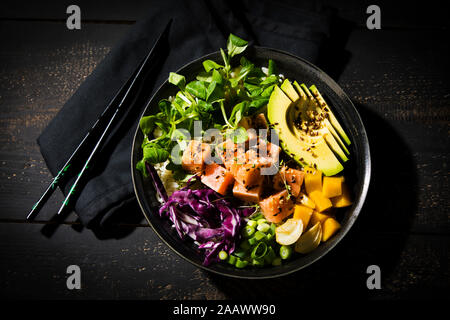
(104,122)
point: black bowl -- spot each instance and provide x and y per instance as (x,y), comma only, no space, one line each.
(357,169)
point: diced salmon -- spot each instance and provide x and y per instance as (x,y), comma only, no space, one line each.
(292,177)
(250,194)
(273,152)
(236,161)
(230,153)
(252,156)
(217,178)
(277,207)
(252,136)
(267,152)
(248,174)
(195,155)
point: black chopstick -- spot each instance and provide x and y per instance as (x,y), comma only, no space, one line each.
(80,148)
(120,96)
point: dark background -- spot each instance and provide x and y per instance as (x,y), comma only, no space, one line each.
(397,78)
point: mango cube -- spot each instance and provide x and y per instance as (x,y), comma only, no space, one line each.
(303,213)
(329,228)
(304,200)
(317,217)
(344,200)
(313,180)
(322,203)
(332,186)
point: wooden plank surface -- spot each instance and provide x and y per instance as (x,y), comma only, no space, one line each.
(140,266)
(38,75)
(395,14)
(396,77)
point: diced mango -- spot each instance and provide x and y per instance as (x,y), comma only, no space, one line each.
(303,213)
(332,186)
(306,201)
(318,217)
(313,180)
(322,203)
(329,228)
(344,200)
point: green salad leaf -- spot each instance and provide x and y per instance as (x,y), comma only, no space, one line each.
(220,96)
(155,153)
(177,79)
(235,45)
(210,65)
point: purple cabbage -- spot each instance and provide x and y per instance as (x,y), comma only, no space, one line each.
(203,215)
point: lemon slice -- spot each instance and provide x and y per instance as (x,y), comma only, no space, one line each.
(310,240)
(289,232)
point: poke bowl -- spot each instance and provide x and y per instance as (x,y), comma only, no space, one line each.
(205,245)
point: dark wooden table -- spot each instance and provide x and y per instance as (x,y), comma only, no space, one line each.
(398,77)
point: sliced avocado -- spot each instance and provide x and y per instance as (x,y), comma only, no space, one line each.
(329,138)
(332,117)
(322,106)
(333,138)
(336,135)
(287,87)
(326,129)
(316,154)
(303,97)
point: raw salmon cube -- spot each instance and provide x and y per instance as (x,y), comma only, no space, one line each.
(195,155)
(292,177)
(230,153)
(217,178)
(277,207)
(267,153)
(274,152)
(250,194)
(248,174)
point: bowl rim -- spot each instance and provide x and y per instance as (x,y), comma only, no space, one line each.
(356,209)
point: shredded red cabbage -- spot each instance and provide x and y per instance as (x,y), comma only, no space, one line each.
(203,215)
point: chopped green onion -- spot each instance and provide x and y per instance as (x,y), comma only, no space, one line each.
(239,253)
(252,223)
(269,237)
(252,241)
(263,227)
(276,262)
(223,255)
(272,228)
(232,259)
(285,252)
(259,251)
(248,231)
(257,217)
(270,255)
(241,263)
(257,262)
(261,221)
(259,235)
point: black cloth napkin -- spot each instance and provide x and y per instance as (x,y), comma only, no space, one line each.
(198,28)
